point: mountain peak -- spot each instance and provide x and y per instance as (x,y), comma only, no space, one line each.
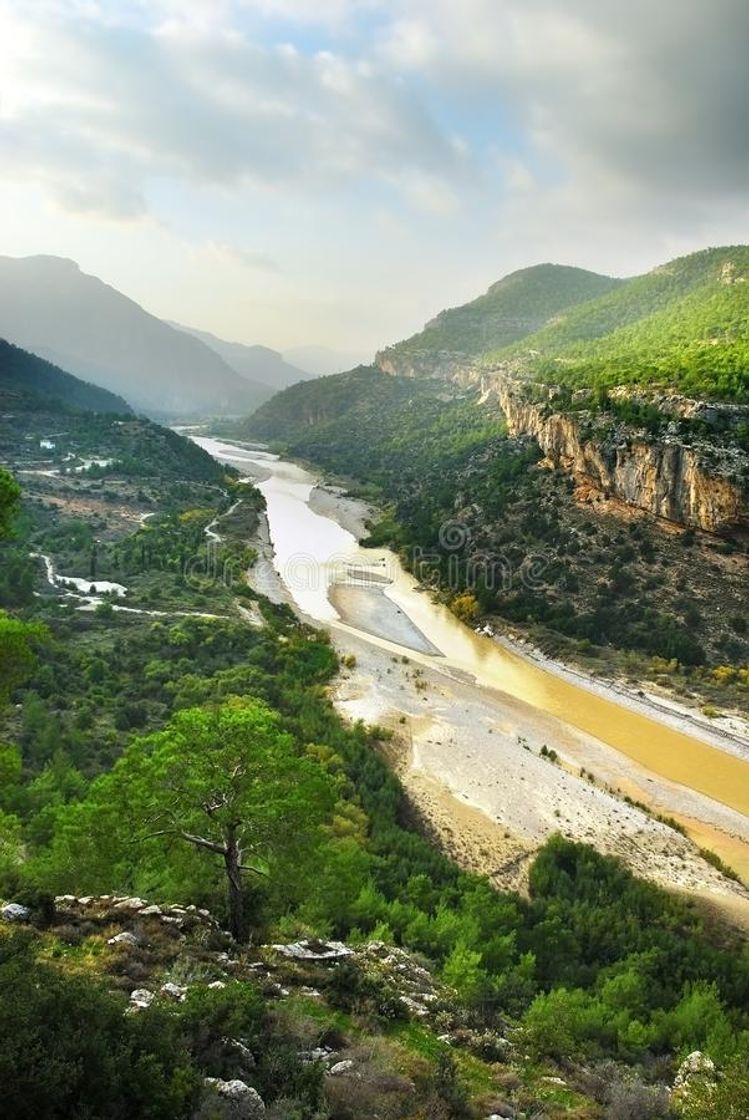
(82,324)
(47,261)
(513,307)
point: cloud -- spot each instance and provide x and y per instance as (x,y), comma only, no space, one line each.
(395,155)
(247,258)
(654,96)
(120,106)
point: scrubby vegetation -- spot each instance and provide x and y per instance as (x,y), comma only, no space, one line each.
(180,755)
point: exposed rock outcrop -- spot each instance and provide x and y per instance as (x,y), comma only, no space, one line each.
(229,1100)
(449,365)
(696,485)
(702,485)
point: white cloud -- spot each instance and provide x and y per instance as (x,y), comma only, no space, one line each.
(119,106)
(247,258)
(395,155)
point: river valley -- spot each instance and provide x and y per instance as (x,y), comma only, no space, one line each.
(471,718)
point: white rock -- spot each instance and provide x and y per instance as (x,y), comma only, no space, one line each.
(229,1100)
(314,950)
(216,985)
(141,997)
(147,911)
(124,938)
(345,1066)
(173,991)
(65,900)
(695,1063)
(14,912)
(130,904)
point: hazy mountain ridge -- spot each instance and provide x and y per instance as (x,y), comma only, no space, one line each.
(49,306)
(319,361)
(32,383)
(259,365)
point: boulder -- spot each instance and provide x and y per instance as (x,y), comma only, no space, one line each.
(131,904)
(243,1057)
(695,1064)
(346,1066)
(314,950)
(14,912)
(173,991)
(141,998)
(229,1100)
(124,938)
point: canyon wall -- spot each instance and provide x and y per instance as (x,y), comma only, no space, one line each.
(699,484)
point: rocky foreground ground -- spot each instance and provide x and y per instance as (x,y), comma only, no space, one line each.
(370,1017)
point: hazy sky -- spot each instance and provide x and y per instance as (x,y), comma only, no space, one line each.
(336,171)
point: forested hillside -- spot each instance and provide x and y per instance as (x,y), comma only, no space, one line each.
(685,324)
(138,749)
(29,383)
(513,308)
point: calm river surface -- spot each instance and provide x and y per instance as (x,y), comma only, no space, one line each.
(312,552)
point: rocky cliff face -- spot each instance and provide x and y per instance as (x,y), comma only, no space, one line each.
(450,365)
(699,485)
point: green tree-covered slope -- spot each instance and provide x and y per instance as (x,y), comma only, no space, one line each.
(514,307)
(31,383)
(356,406)
(685,324)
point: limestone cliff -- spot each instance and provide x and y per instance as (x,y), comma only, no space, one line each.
(700,484)
(450,365)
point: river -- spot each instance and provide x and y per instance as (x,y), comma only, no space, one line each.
(313,554)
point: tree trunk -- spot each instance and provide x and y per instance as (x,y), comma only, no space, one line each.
(237,925)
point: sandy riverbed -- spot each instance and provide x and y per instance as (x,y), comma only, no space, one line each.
(369,609)
(469,756)
(352,514)
(460,746)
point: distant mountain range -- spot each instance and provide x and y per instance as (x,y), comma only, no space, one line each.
(29,383)
(48,306)
(76,321)
(259,365)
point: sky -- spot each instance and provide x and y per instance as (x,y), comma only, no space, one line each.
(334,172)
